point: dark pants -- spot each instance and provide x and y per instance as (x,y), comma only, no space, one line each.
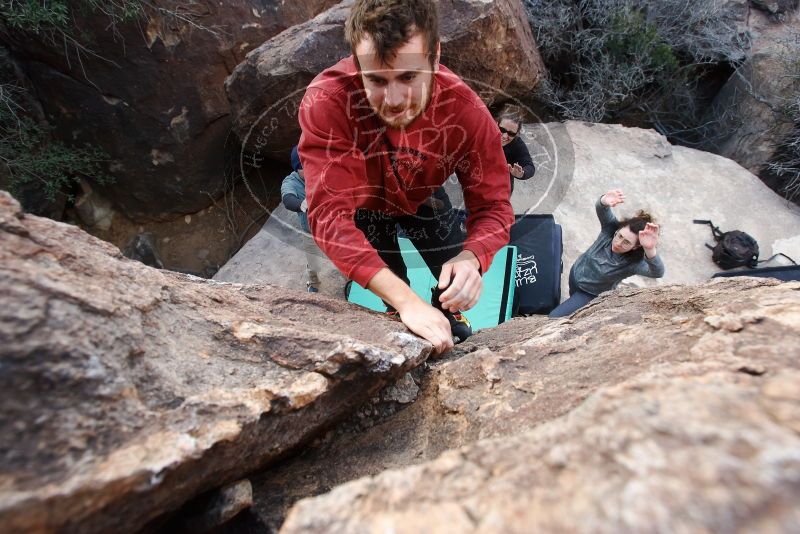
(577,299)
(435,232)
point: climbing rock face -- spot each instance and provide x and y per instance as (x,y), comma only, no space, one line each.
(489,44)
(674,408)
(127,390)
(491,47)
(150,93)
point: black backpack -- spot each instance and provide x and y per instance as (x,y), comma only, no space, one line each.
(735,248)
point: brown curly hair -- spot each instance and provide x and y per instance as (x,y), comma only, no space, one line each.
(391,23)
(637,223)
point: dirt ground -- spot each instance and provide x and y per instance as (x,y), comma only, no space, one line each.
(203,242)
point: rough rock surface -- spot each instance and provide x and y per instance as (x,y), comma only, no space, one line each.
(219,507)
(657,409)
(488,43)
(577,162)
(748,113)
(127,390)
(150,93)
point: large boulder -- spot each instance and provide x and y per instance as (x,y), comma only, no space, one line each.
(775,7)
(266,88)
(150,93)
(489,44)
(674,183)
(128,390)
(656,409)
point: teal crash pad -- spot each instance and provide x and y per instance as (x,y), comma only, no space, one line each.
(494,306)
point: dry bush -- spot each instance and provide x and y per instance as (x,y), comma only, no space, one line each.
(632,61)
(785,163)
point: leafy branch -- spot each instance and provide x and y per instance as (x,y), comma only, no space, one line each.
(30,156)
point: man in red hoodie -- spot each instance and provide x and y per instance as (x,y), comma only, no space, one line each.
(382,131)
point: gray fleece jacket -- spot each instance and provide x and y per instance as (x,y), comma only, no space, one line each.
(598,269)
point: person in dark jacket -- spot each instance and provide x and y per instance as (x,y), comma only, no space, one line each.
(293,195)
(520,164)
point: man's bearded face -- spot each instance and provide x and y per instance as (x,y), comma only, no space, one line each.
(400,90)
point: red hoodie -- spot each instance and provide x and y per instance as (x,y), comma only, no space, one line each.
(353,160)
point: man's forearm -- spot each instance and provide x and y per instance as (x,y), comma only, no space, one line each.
(391,289)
